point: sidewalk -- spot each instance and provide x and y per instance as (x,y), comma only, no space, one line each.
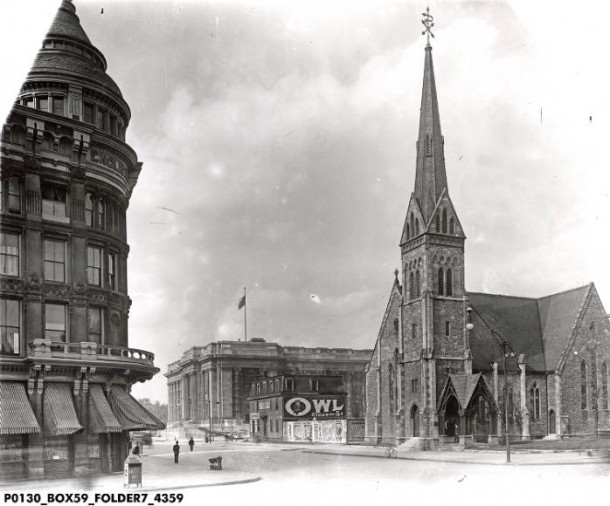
(481,457)
(159,472)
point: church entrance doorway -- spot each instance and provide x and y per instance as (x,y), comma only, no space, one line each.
(415,421)
(452,417)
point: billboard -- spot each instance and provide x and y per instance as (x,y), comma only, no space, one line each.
(314,407)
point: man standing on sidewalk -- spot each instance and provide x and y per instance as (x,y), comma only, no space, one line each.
(176,451)
(191,443)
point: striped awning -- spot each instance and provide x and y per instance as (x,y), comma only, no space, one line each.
(16,415)
(102,419)
(130,413)
(59,415)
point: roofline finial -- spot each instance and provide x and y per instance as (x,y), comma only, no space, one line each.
(428,23)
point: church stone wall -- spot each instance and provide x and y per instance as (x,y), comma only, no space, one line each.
(592,331)
(452,311)
(412,345)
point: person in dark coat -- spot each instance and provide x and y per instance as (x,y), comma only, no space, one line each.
(136,449)
(191,443)
(176,451)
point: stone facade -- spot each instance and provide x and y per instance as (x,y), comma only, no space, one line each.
(438,372)
(67,175)
(208,386)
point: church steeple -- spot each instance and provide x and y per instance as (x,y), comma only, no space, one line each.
(430,175)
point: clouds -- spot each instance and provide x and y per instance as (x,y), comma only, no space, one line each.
(283,135)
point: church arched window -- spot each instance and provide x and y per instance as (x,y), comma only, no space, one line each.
(408,231)
(441,281)
(593,378)
(444,221)
(583,385)
(604,385)
(438,223)
(451,226)
(535,402)
(391,384)
(411,285)
(449,283)
(416,226)
(417,283)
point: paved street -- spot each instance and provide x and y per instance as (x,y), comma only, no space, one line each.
(259,474)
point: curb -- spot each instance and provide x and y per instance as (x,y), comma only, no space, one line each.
(455,461)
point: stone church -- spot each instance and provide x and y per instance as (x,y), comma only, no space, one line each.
(446,361)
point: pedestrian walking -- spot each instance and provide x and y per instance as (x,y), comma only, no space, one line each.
(136,449)
(191,443)
(176,451)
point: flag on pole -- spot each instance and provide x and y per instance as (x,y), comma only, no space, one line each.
(242,302)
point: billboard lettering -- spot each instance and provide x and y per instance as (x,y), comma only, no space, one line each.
(313,408)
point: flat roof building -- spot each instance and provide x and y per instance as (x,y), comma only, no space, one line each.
(210,385)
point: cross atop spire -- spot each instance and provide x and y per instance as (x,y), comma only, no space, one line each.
(428,23)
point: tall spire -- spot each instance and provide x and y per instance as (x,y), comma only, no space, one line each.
(430,175)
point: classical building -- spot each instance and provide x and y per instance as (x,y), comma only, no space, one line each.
(209,386)
(302,408)
(438,373)
(66,178)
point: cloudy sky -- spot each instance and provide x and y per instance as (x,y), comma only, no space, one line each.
(278,143)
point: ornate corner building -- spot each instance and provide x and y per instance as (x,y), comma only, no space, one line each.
(67,175)
(439,376)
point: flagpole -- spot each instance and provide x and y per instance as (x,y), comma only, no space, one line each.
(245,316)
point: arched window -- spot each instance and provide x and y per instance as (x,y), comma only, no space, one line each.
(438,223)
(535,402)
(449,283)
(391,384)
(88,209)
(412,223)
(408,231)
(100,214)
(65,146)
(48,142)
(444,221)
(593,378)
(411,285)
(451,226)
(418,283)
(604,385)
(441,281)
(428,146)
(416,226)
(583,385)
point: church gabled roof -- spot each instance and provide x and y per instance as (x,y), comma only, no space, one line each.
(539,329)
(558,316)
(464,385)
